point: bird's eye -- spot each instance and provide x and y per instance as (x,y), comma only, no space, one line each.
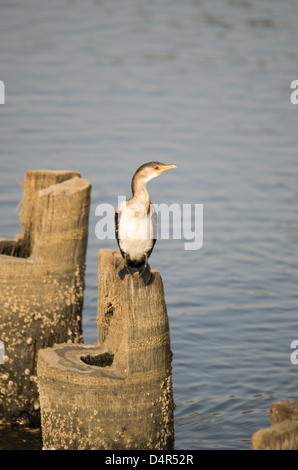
(156,167)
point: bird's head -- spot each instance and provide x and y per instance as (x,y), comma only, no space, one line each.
(150,170)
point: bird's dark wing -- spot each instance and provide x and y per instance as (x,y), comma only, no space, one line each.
(116,219)
(154,220)
(150,251)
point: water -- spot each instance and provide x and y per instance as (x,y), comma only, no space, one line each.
(102,87)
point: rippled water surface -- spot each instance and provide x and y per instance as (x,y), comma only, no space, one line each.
(104,86)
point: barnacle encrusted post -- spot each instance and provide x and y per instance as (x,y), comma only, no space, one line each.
(42,283)
(115,394)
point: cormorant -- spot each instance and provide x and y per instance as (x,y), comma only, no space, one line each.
(136,223)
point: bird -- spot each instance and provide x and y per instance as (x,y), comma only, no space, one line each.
(136,223)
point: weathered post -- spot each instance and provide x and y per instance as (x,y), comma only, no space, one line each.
(282,434)
(42,282)
(117,393)
(35,181)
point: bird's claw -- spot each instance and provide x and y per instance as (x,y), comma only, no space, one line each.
(146,274)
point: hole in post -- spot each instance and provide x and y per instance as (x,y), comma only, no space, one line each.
(101,360)
(10,247)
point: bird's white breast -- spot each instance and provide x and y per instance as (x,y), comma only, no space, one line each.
(134,229)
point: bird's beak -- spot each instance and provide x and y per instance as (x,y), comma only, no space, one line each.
(165,167)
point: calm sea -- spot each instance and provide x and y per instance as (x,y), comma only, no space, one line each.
(103,86)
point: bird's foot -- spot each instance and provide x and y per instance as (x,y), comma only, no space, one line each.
(146,274)
(125,270)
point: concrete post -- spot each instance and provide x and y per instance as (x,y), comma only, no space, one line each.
(117,393)
(42,282)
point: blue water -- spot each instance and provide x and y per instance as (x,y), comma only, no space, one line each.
(102,87)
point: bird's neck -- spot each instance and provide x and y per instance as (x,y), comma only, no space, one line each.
(140,193)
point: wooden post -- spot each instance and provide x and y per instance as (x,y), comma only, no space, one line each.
(42,284)
(35,181)
(282,434)
(117,393)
